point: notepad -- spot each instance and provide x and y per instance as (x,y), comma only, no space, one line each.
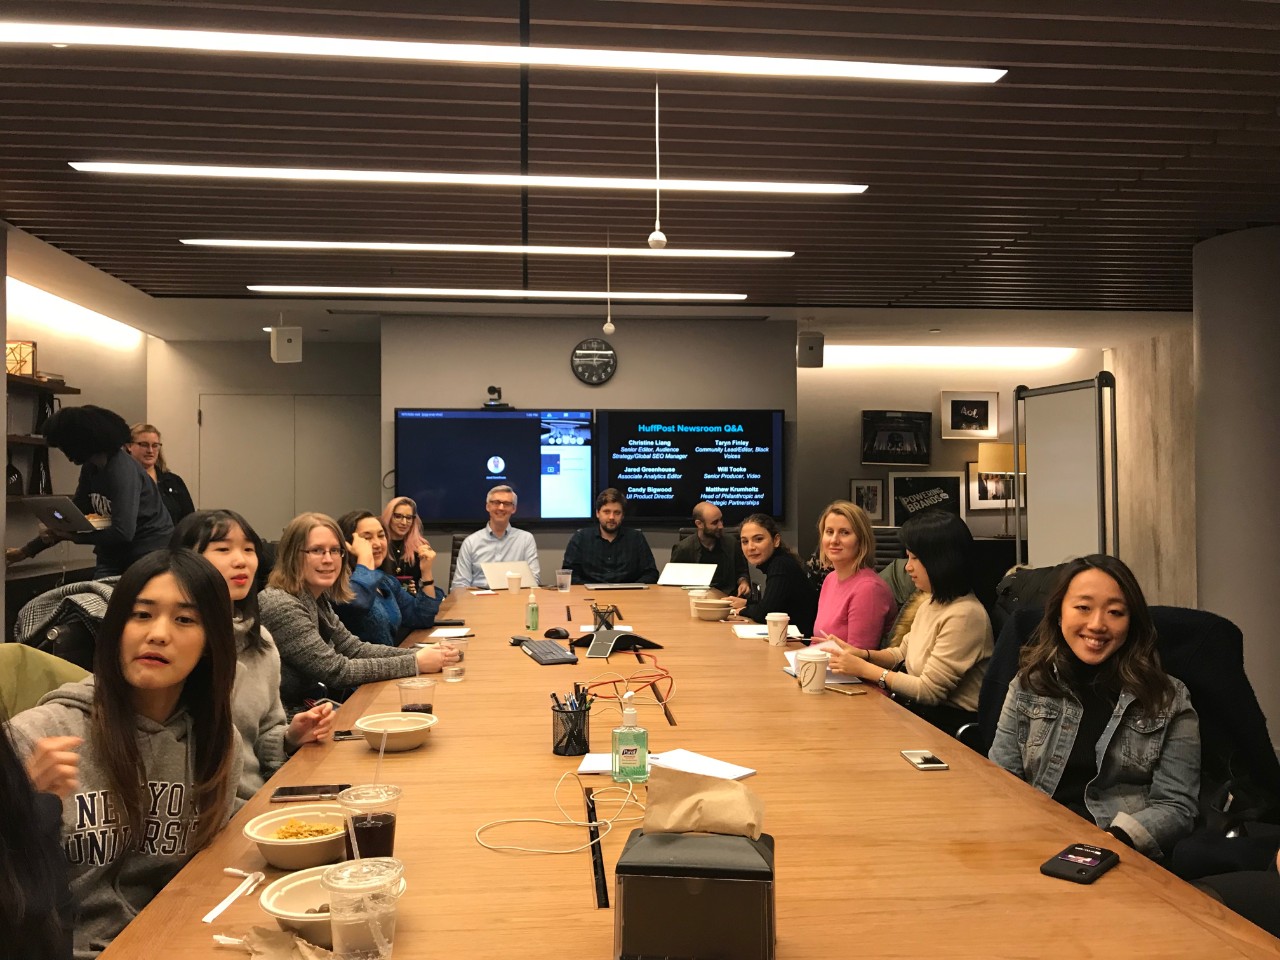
(832,676)
(678,759)
(755,631)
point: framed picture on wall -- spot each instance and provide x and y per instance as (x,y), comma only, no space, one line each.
(992,491)
(910,493)
(970,416)
(896,437)
(869,495)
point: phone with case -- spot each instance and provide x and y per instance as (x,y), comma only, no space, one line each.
(1080,863)
(924,760)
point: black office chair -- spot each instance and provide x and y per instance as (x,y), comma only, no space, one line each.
(458,538)
(888,546)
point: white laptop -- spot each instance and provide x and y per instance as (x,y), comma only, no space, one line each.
(616,586)
(687,575)
(495,574)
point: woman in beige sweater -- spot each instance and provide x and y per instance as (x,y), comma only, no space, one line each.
(944,657)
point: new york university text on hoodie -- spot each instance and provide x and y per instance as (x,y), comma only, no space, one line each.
(112,879)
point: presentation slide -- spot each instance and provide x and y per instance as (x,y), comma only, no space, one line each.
(447,460)
(665,461)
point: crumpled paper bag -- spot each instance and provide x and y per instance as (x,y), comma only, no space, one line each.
(680,802)
(267,944)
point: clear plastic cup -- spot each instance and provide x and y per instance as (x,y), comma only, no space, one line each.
(363,895)
(417,695)
(564,580)
(371,818)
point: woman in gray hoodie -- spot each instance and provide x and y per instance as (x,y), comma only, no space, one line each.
(136,808)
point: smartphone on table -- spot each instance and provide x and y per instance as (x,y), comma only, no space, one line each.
(314,791)
(924,760)
(1080,863)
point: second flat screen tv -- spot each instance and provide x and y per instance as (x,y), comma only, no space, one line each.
(447,460)
(665,461)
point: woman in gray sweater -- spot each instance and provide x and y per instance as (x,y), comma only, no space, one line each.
(310,575)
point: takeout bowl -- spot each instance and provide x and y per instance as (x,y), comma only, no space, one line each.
(299,854)
(404,731)
(712,609)
(288,899)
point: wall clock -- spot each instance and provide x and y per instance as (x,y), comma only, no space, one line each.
(594,361)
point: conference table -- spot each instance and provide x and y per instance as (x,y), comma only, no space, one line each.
(873,857)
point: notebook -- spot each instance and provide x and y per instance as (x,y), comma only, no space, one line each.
(495,574)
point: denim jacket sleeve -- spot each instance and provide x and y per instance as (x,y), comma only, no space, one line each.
(364,587)
(1005,749)
(418,611)
(1173,800)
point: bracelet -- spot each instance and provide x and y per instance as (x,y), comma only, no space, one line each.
(428,583)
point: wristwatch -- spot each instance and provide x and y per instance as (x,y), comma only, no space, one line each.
(883,685)
(428,583)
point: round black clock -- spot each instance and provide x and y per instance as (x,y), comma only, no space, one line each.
(594,361)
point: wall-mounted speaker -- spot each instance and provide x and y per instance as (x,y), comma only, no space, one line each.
(286,345)
(809,349)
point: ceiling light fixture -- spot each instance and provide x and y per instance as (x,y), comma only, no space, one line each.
(608,327)
(465,292)
(596,59)
(513,248)
(657,239)
(460,179)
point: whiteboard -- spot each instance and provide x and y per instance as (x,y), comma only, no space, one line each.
(1063,509)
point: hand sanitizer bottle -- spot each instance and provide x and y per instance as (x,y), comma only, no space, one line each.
(531,612)
(630,746)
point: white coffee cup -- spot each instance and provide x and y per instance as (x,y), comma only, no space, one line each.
(811,670)
(777,624)
(513,582)
(696,595)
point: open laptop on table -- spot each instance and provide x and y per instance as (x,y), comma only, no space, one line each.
(687,575)
(495,574)
(62,516)
(616,586)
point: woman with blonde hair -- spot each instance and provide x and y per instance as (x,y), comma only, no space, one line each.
(144,446)
(309,577)
(407,545)
(855,604)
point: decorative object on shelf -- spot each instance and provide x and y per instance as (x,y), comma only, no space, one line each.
(897,438)
(12,480)
(45,405)
(40,484)
(968,415)
(594,361)
(912,492)
(869,495)
(992,479)
(20,357)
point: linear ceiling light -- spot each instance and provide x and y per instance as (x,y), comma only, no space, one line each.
(530,249)
(462,179)
(351,47)
(462,292)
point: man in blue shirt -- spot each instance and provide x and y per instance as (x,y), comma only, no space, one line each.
(610,552)
(496,542)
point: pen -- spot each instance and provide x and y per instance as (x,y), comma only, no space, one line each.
(556,700)
(568,614)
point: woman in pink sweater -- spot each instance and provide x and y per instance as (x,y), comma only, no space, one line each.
(855,605)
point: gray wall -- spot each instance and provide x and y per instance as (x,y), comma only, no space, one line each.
(671,365)
(1237,344)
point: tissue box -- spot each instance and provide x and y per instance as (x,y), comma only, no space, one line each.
(694,895)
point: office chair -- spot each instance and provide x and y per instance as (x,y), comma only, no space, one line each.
(454,547)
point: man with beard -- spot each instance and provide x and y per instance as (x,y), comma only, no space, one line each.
(610,552)
(709,545)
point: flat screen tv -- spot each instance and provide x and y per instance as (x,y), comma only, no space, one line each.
(447,460)
(665,461)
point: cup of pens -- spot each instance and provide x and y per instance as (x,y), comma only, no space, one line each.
(571,724)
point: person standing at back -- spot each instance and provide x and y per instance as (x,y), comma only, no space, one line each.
(709,545)
(610,552)
(145,447)
(496,542)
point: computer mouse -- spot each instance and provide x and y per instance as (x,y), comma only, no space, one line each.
(557,633)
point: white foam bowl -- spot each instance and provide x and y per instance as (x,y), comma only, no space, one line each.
(298,854)
(404,731)
(288,899)
(712,609)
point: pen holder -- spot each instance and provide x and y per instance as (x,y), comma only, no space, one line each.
(570,730)
(605,616)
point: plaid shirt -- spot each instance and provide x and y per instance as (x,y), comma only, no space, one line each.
(624,559)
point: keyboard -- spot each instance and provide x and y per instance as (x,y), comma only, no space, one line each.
(548,651)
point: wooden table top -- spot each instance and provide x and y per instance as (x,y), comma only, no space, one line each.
(873,856)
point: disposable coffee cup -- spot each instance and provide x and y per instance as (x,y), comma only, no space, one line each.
(371,818)
(695,595)
(777,624)
(363,896)
(811,670)
(417,695)
(513,582)
(564,580)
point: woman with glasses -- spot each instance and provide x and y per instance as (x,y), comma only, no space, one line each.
(144,446)
(409,555)
(381,610)
(309,577)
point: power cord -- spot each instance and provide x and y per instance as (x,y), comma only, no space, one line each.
(605,826)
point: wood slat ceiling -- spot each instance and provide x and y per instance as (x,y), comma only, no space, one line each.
(1124,133)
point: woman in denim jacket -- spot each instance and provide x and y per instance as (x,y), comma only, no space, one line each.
(1094,721)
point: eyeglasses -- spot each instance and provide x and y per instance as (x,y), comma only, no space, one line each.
(406,517)
(320,553)
(146,446)
(502,503)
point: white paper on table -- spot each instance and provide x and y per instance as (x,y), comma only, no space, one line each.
(484,593)
(754,631)
(601,763)
(832,676)
(449,633)
(690,762)
(620,627)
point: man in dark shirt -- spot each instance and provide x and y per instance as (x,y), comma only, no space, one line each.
(610,552)
(709,545)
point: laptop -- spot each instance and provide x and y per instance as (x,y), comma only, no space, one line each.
(687,575)
(495,574)
(62,516)
(618,586)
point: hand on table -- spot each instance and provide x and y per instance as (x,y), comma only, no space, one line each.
(54,765)
(310,726)
(744,588)
(435,659)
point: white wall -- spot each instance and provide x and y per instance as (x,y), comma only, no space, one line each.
(662,364)
(830,405)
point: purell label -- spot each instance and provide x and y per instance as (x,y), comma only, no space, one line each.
(629,756)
